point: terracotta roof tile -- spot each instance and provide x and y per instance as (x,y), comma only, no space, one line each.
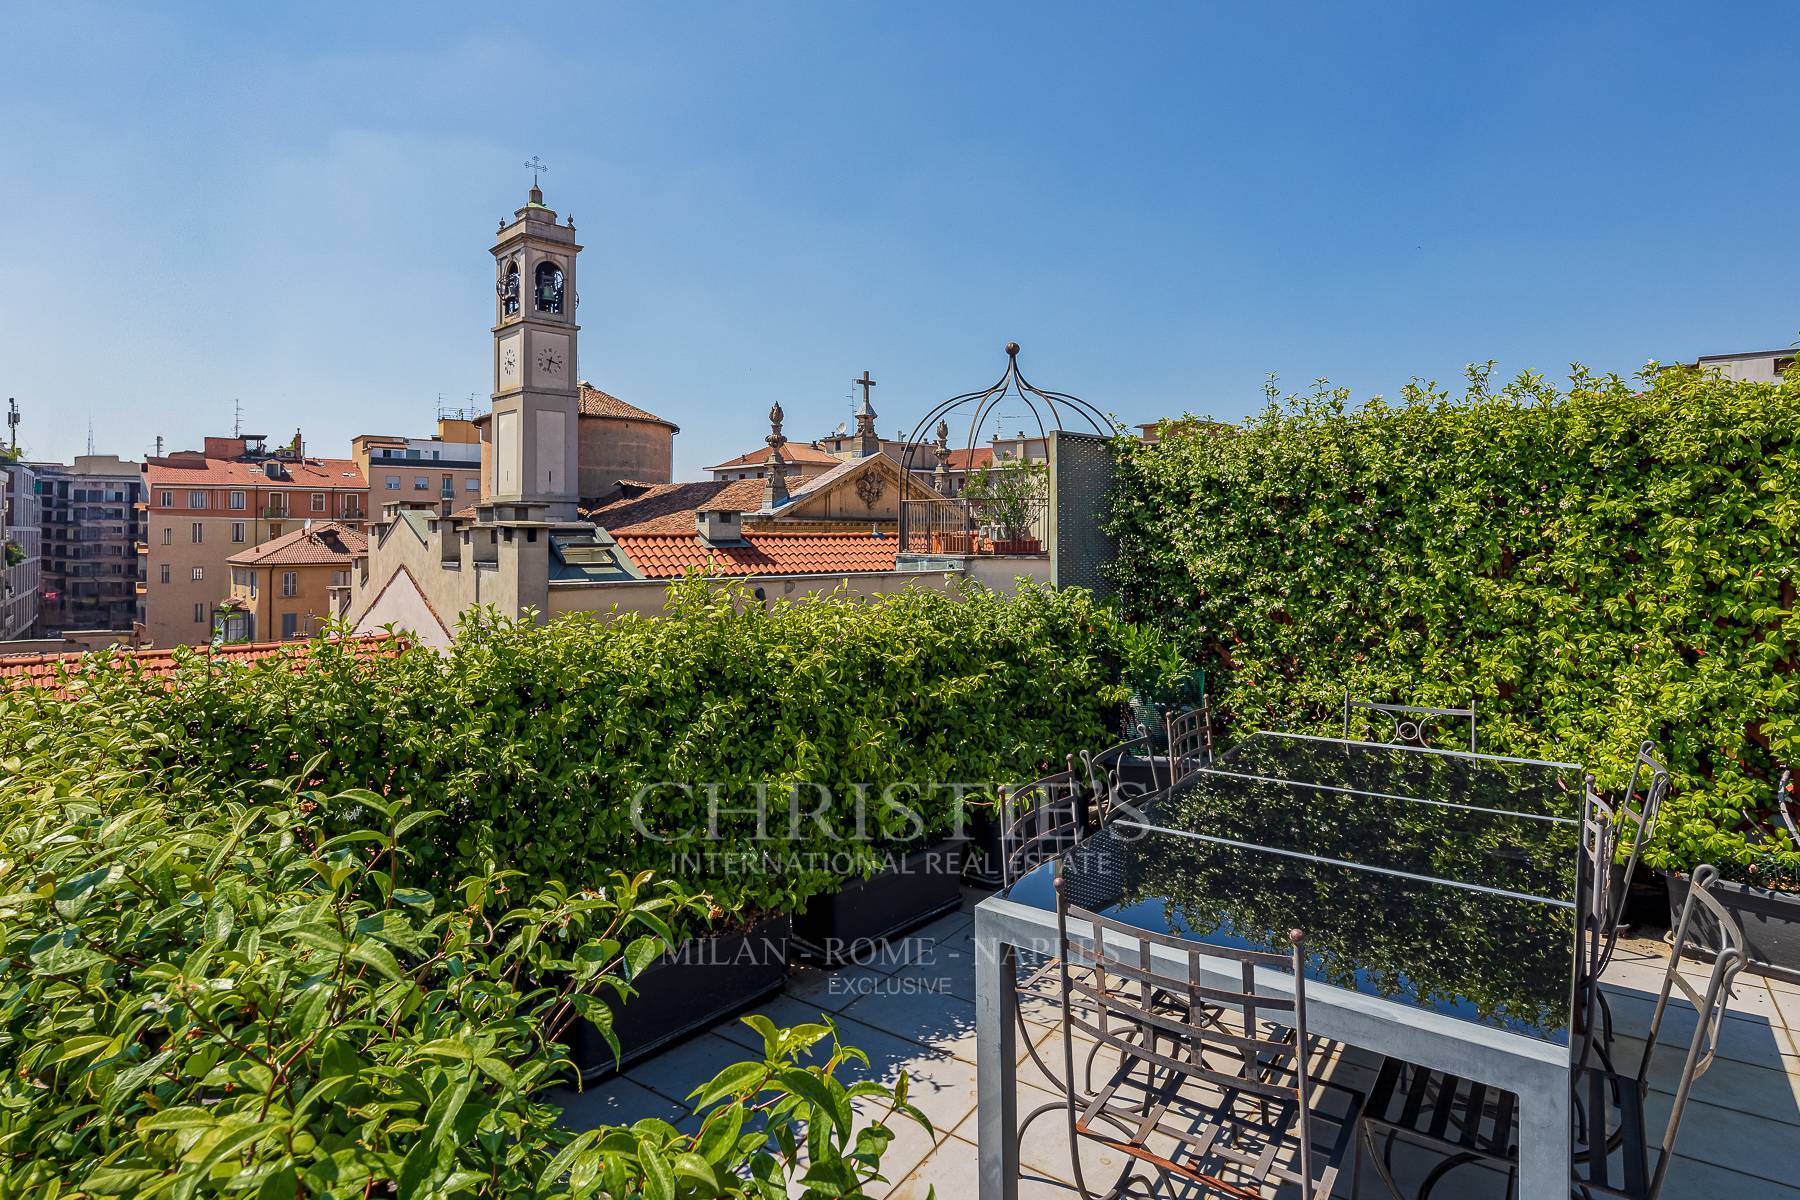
(53,671)
(666,556)
(330,542)
(790,453)
(975,459)
(590,401)
(670,507)
(311,472)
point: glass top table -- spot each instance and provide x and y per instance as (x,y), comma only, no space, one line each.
(1444,881)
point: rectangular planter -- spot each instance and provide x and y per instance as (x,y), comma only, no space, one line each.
(864,913)
(704,980)
(1771,922)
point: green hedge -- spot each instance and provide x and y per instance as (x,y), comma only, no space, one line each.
(534,741)
(1595,566)
(208,993)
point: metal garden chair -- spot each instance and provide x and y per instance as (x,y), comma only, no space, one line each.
(1106,781)
(1214,1084)
(1409,721)
(1190,742)
(1635,815)
(1473,1124)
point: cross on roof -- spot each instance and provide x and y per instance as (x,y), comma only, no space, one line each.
(865,383)
(535,167)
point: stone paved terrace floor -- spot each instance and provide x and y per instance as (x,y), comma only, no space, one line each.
(1740,1139)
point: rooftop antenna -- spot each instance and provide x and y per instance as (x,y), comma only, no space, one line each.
(159,445)
(12,422)
(90,434)
(237,417)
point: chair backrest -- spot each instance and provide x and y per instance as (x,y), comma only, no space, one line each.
(1105,781)
(1407,723)
(1040,820)
(1598,828)
(1190,743)
(1113,992)
(1707,930)
(1634,823)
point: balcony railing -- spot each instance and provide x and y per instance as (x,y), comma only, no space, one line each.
(973,527)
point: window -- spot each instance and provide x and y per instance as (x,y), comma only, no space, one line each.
(340,579)
(236,500)
(253,585)
(290,625)
(168,534)
(166,499)
(237,531)
(421,483)
(449,490)
(549,288)
(199,532)
(393,483)
(196,499)
(509,291)
(471,485)
(351,507)
(197,574)
(199,612)
(318,501)
(164,578)
(290,583)
(274,529)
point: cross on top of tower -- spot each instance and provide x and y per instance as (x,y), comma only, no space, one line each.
(865,383)
(536,167)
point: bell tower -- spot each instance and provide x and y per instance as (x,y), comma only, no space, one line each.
(533,430)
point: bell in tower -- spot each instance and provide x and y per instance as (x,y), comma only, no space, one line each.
(533,432)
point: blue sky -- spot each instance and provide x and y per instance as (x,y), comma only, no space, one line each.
(1162,203)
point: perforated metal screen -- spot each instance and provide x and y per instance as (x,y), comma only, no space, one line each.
(1081,473)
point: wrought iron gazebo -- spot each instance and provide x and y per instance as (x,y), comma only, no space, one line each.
(1004,519)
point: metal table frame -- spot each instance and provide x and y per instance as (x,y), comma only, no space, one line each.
(1538,1072)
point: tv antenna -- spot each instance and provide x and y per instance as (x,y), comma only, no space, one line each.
(12,423)
(237,418)
(90,434)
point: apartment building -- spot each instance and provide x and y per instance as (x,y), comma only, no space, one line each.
(287,588)
(205,505)
(20,550)
(93,529)
(445,469)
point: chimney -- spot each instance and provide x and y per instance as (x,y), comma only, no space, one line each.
(718,526)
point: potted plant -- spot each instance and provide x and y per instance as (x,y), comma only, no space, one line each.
(911,872)
(1758,857)
(1009,495)
(703,980)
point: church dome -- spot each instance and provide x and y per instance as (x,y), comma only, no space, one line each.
(619,440)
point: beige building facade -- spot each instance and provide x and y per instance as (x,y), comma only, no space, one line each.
(204,506)
(287,588)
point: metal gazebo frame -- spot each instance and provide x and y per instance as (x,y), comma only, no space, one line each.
(986,400)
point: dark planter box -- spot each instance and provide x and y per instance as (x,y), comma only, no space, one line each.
(1647,902)
(1771,922)
(702,981)
(853,921)
(981,856)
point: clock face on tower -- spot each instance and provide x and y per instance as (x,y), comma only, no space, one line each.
(550,361)
(509,362)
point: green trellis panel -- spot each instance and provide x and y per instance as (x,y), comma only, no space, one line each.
(1081,474)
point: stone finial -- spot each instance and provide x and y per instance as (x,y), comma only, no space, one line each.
(775,492)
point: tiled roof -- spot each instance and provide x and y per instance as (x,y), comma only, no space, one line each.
(311,472)
(329,542)
(666,556)
(790,453)
(52,670)
(590,401)
(670,507)
(973,459)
